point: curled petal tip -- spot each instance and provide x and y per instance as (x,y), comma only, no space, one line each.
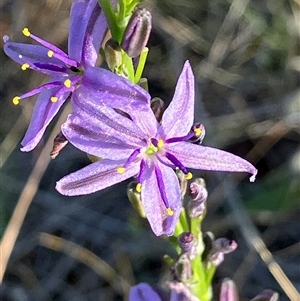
(5,38)
(253,177)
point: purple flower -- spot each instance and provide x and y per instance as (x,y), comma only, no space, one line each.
(144,292)
(87,29)
(145,148)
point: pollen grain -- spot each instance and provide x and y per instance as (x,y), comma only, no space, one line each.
(25,66)
(67,83)
(160,143)
(16,100)
(50,53)
(188,176)
(138,187)
(54,99)
(26,32)
(170,211)
(121,170)
(197,132)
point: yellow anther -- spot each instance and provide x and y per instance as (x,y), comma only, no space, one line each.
(138,187)
(121,169)
(197,132)
(16,100)
(26,32)
(189,175)
(170,211)
(54,99)
(67,83)
(25,66)
(160,143)
(50,53)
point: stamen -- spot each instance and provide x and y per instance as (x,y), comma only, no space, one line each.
(67,83)
(176,162)
(54,99)
(50,53)
(198,131)
(121,170)
(160,143)
(26,32)
(25,66)
(138,187)
(170,211)
(161,186)
(16,100)
(188,176)
(132,157)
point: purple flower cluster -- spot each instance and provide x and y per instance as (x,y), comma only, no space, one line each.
(132,145)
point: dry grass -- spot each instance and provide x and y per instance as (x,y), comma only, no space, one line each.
(245,55)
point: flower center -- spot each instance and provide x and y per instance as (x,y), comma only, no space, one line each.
(151,150)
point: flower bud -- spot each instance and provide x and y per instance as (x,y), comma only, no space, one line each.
(196,205)
(198,130)
(266,295)
(220,247)
(228,291)
(183,268)
(137,32)
(182,182)
(60,141)
(135,198)
(113,54)
(158,107)
(186,241)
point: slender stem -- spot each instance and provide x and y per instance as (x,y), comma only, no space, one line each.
(141,65)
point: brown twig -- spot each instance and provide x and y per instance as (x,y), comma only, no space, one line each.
(88,258)
(14,225)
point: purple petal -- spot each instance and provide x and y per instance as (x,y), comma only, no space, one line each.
(208,158)
(36,57)
(44,111)
(101,87)
(95,177)
(89,139)
(177,119)
(87,28)
(160,221)
(107,120)
(145,120)
(143,292)
(228,291)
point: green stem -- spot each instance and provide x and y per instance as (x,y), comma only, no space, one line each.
(111,19)
(141,65)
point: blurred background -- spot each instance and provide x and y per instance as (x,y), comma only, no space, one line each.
(246,58)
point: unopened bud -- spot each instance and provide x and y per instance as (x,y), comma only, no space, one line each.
(196,205)
(137,32)
(60,141)
(220,247)
(198,130)
(135,198)
(182,182)
(186,241)
(158,107)
(183,268)
(266,295)
(113,54)
(228,291)
(143,82)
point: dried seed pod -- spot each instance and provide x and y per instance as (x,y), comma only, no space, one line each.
(113,54)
